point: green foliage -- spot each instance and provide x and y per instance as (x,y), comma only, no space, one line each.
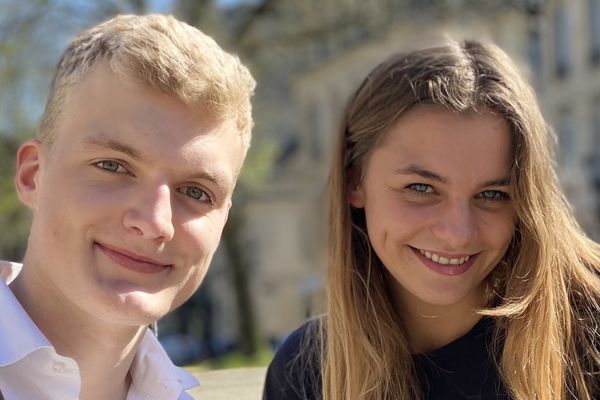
(236,359)
(14,217)
(258,165)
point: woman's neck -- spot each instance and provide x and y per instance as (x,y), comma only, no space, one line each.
(431,326)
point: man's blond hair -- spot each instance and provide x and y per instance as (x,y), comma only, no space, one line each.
(160,52)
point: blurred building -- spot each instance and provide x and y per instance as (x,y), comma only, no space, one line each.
(308,56)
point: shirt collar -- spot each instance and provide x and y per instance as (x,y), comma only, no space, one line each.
(152,368)
(18,333)
(9,271)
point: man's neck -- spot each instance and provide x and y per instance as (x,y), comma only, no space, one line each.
(104,352)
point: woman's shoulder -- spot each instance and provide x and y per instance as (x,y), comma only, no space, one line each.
(295,371)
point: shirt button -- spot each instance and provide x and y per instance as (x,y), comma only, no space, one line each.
(59,366)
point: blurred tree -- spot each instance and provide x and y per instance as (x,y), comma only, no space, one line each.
(255,171)
(14,218)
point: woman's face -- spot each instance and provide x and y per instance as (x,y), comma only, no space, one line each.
(437,199)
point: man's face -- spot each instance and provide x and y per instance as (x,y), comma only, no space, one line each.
(129,202)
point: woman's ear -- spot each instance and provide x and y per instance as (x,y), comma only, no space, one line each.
(29,162)
(356,196)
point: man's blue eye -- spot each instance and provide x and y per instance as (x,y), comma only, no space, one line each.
(195,192)
(110,166)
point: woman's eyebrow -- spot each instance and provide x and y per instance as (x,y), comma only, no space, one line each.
(421,171)
(504,181)
(427,174)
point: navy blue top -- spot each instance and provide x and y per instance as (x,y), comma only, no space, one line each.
(462,370)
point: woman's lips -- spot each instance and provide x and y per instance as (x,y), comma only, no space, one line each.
(445,269)
(132,261)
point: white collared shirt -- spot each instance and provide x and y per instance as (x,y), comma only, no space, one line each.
(31,369)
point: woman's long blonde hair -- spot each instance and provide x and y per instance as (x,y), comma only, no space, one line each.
(545,291)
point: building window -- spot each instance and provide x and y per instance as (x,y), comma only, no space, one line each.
(595,145)
(534,47)
(595,155)
(566,136)
(562,41)
(535,35)
(594,21)
(315,116)
(596,127)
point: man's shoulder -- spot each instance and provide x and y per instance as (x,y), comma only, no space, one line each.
(295,372)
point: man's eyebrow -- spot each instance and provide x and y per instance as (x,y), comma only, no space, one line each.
(113,145)
(425,173)
(217,178)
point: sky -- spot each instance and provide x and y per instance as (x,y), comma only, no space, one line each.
(164,5)
(231,3)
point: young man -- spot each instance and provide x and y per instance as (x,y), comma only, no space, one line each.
(130,182)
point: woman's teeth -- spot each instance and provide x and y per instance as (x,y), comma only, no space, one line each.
(444,260)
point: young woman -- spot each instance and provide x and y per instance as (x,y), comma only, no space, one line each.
(457,270)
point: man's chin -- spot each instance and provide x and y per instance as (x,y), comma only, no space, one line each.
(134,307)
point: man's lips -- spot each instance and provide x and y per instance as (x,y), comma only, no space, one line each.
(132,261)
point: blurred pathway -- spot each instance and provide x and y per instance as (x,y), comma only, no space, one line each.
(230,384)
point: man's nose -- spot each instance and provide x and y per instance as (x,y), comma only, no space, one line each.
(152,215)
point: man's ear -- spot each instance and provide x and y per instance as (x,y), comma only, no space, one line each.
(356,195)
(228,209)
(30,158)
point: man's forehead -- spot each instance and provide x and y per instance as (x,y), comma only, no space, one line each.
(143,122)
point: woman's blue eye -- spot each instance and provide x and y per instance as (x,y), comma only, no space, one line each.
(493,195)
(110,166)
(420,188)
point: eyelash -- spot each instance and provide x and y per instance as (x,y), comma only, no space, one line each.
(499,195)
(413,188)
(102,166)
(120,169)
(209,199)
(429,191)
